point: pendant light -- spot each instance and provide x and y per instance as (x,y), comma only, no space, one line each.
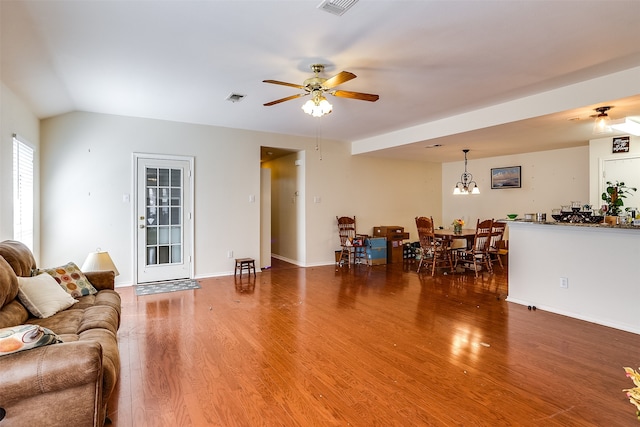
(466,180)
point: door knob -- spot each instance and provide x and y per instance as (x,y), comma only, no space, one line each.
(141,226)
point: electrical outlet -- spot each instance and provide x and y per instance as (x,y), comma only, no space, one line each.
(564,282)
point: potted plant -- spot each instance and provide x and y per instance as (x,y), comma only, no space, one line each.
(614,196)
(634,393)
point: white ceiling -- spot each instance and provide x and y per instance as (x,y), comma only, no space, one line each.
(428,60)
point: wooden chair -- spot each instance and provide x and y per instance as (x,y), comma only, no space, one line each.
(478,254)
(352,246)
(497,247)
(434,250)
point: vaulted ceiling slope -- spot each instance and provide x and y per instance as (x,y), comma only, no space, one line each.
(428,60)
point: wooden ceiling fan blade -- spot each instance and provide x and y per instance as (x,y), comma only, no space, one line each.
(276,82)
(356,95)
(288,98)
(338,79)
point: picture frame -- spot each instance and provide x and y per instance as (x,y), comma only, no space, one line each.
(620,144)
(506,177)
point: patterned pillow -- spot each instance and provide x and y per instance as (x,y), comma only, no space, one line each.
(25,337)
(42,296)
(72,280)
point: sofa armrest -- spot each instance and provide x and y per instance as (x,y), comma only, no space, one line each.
(101,279)
(49,369)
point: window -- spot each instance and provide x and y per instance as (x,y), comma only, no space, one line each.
(22,192)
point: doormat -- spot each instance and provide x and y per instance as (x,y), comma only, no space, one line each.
(162,287)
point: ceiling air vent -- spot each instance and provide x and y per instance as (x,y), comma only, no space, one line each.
(235,97)
(337,7)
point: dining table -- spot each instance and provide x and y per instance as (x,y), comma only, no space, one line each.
(466,233)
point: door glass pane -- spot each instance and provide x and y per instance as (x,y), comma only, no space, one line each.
(163,235)
(152,235)
(175,216)
(175,197)
(151,255)
(152,177)
(164,197)
(176,235)
(164,215)
(163,177)
(151,215)
(176,253)
(163,254)
(151,196)
(176,178)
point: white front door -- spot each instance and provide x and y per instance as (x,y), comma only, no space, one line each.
(163,218)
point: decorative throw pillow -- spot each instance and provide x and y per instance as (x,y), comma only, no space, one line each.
(72,280)
(25,337)
(42,295)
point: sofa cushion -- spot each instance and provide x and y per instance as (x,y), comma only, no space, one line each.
(13,314)
(19,257)
(24,337)
(65,322)
(8,283)
(42,295)
(72,280)
(104,297)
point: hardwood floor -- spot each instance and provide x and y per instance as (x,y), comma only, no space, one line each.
(378,346)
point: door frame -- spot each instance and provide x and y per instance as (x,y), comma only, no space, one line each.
(602,178)
(187,227)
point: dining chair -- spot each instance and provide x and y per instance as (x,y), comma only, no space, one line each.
(478,254)
(352,245)
(435,251)
(496,247)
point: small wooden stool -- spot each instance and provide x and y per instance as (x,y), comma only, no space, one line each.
(245,264)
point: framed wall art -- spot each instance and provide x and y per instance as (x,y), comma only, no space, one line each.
(620,144)
(509,177)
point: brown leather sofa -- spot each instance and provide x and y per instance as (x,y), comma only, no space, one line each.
(65,384)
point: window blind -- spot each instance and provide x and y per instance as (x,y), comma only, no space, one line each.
(23,196)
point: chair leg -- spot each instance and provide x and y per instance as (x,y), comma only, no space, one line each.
(433,263)
(345,256)
(448,255)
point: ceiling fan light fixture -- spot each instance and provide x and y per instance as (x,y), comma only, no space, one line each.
(317,107)
(626,125)
(602,121)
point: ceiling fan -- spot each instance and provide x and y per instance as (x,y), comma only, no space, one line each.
(317,86)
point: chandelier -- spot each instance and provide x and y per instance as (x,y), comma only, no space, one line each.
(318,105)
(466,180)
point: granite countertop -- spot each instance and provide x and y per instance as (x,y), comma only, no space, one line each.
(575,224)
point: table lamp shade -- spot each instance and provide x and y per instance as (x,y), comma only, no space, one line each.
(99,261)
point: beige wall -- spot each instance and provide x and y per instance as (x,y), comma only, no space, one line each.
(549,179)
(376,191)
(87,169)
(16,118)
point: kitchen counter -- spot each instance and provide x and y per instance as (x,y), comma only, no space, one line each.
(575,224)
(598,263)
